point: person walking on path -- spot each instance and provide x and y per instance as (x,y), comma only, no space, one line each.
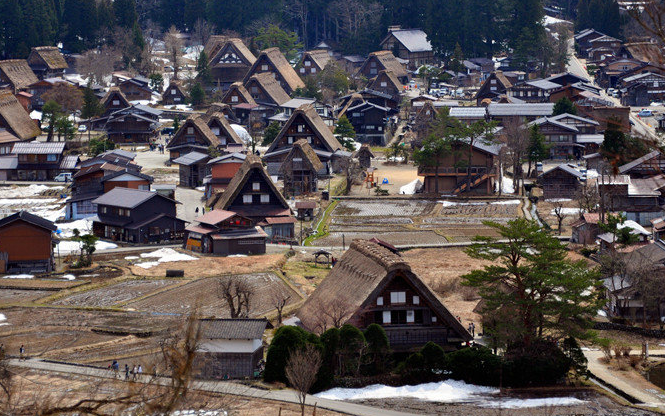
(140,371)
(126,372)
(134,373)
(21,351)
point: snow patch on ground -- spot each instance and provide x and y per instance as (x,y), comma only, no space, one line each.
(506,186)
(68,277)
(26,191)
(411,187)
(445,391)
(507,202)
(164,255)
(549,21)
(18,276)
(132,258)
(68,247)
(558,200)
(84,226)
(592,174)
(452,204)
(568,211)
(528,403)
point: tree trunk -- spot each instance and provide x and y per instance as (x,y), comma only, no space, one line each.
(468,167)
(436,177)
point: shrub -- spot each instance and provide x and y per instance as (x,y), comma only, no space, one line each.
(351,346)
(573,351)
(286,338)
(434,356)
(541,363)
(378,349)
(476,365)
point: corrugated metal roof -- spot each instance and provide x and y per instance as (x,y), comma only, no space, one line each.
(507,109)
(124,197)
(190,158)
(468,112)
(415,40)
(233,328)
(69,162)
(39,148)
(543,84)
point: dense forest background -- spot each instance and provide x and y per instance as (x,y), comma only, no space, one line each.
(480,27)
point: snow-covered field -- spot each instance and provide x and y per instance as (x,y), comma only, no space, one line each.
(14,199)
(504,202)
(69,247)
(449,391)
(163,255)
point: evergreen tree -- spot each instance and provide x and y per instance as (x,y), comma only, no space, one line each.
(125,13)
(203,69)
(197,94)
(564,106)
(274,36)
(271,132)
(91,106)
(51,111)
(156,82)
(345,133)
(538,149)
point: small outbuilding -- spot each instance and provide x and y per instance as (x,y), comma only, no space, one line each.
(364,156)
(192,168)
(26,244)
(305,210)
(230,348)
(225,233)
(561,182)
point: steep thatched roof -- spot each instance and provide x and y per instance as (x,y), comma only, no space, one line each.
(14,118)
(317,124)
(200,126)
(387,61)
(218,43)
(271,87)
(251,164)
(353,100)
(360,275)
(242,91)
(320,57)
(178,85)
(115,92)
(364,149)
(391,78)
(18,73)
(50,56)
(223,123)
(303,149)
(281,65)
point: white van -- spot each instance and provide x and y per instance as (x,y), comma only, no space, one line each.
(63,177)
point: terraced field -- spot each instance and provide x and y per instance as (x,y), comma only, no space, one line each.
(114,294)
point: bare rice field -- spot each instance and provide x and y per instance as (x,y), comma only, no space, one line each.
(14,296)
(114,294)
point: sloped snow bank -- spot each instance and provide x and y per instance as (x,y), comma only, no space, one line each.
(164,255)
(445,391)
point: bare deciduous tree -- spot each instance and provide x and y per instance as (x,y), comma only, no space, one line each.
(516,136)
(301,369)
(237,294)
(68,96)
(335,313)
(351,16)
(587,197)
(99,63)
(173,44)
(202,31)
(559,213)
(279,300)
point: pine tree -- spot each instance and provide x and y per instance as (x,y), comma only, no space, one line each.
(271,132)
(197,94)
(564,106)
(203,68)
(345,132)
(538,150)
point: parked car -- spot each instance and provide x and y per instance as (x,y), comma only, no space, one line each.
(82,128)
(645,113)
(63,177)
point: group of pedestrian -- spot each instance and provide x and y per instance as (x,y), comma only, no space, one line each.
(132,373)
(203,211)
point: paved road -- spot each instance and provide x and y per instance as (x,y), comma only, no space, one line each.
(650,397)
(225,387)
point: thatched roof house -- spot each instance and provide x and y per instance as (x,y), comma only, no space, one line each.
(272,60)
(15,119)
(300,169)
(47,61)
(382,60)
(372,283)
(265,89)
(17,74)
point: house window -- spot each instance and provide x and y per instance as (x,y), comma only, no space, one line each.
(384,84)
(379,300)
(222,141)
(308,63)
(313,70)
(176,99)
(433,318)
(386,317)
(103,210)
(309,139)
(215,131)
(256,186)
(300,128)
(302,70)
(173,92)
(190,130)
(51,158)
(356,114)
(290,140)
(116,102)
(246,199)
(144,187)
(155,231)
(265,198)
(416,300)
(397,317)
(492,81)
(410,317)
(297,159)
(234,99)
(397,297)
(264,67)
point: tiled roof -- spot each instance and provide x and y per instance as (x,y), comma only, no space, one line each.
(233,328)
(39,148)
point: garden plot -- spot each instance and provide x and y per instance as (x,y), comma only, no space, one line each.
(106,349)
(114,294)
(384,208)
(204,294)
(399,238)
(17,296)
(486,210)
(46,339)
(371,220)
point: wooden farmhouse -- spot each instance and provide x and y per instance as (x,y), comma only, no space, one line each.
(387,83)
(409,44)
(561,182)
(229,348)
(453,179)
(304,123)
(370,123)
(114,101)
(26,244)
(47,62)
(494,86)
(137,88)
(14,118)
(300,169)
(423,120)
(313,62)
(136,216)
(193,136)
(272,61)
(382,61)
(238,94)
(135,124)
(16,75)
(585,229)
(266,90)
(43,161)
(385,291)
(653,163)
(253,194)
(219,126)
(192,168)
(225,233)
(175,94)
(229,60)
